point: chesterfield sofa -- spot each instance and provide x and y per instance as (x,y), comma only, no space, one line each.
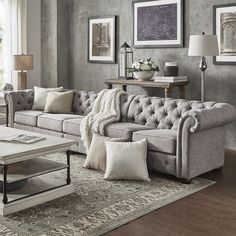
(185,138)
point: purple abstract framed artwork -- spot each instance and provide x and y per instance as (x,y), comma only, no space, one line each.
(158,23)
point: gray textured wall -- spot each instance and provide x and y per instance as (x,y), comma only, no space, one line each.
(63,43)
(220,82)
(33,40)
(48,43)
(55,43)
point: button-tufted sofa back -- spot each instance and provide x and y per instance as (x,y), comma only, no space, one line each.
(155,112)
(22,100)
(82,103)
(161,113)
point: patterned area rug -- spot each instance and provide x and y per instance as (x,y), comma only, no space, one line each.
(97,206)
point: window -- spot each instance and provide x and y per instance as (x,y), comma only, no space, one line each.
(2,40)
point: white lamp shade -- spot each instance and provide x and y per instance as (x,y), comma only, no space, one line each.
(203,45)
(23,62)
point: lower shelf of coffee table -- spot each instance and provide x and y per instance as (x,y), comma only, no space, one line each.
(32,168)
(35,185)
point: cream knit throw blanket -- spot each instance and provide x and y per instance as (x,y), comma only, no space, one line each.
(106,109)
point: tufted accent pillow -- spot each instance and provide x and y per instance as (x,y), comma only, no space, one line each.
(83,101)
(161,113)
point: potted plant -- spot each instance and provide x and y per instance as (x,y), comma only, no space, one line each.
(144,69)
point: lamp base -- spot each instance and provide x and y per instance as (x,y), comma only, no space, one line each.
(202,86)
(203,67)
(22,80)
(203,64)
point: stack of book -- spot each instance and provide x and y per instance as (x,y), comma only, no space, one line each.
(170,79)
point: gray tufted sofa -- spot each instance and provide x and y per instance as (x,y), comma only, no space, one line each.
(185,138)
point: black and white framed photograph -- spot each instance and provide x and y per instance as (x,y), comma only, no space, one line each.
(102,39)
(158,23)
(224,26)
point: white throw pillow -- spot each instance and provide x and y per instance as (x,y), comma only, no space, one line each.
(59,102)
(40,96)
(96,157)
(127,161)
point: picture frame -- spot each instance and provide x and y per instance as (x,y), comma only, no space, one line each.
(102,39)
(149,31)
(224,26)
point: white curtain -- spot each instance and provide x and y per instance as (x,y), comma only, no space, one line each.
(16,35)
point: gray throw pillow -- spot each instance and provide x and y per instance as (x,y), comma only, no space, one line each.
(59,102)
(96,156)
(40,96)
(127,161)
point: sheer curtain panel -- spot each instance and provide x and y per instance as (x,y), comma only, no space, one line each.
(16,35)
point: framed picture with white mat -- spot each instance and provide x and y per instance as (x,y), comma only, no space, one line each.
(102,39)
(224,26)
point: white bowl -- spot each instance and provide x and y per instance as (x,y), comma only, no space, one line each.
(144,75)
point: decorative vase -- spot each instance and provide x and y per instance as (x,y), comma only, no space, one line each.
(171,69)
(144,75)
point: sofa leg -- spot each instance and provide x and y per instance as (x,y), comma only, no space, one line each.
(185,181)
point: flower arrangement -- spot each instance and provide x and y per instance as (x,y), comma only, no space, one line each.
(144,65)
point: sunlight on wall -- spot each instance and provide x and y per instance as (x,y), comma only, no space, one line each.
(2,40)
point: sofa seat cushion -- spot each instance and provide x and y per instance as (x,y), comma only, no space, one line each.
(159,140)
(123,129)
(54,121)
(27,117)
(72,126)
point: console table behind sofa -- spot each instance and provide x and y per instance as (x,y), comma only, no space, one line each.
(151,84)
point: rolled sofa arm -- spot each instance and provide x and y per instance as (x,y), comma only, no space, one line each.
(219,115)
(191,151)
(17,101)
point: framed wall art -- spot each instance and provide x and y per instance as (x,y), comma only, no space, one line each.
(224,26)
(102,39)
(158,23)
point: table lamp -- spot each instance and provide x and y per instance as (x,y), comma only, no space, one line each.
(203,45)
(23,63)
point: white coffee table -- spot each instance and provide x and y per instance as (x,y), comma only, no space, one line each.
(40,187)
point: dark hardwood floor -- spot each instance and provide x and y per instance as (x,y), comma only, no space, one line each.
(211,211)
